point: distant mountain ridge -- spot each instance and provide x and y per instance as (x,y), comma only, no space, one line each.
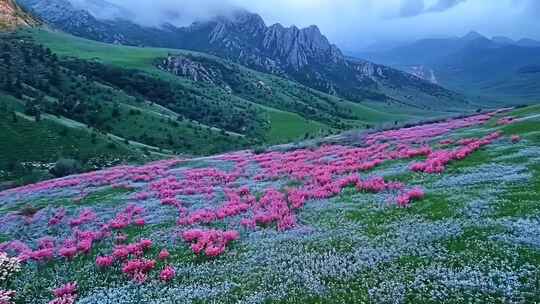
(498,68)
(304,55)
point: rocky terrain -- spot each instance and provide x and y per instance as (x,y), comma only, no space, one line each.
(12,16)
(194,69)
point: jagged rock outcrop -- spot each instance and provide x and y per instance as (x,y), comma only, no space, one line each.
(183,66)
(246,36)
(424,72)
(63,15)
(12,16)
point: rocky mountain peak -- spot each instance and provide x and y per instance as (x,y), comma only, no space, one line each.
(473,35)
(247,18)
(246,37)
(12,16)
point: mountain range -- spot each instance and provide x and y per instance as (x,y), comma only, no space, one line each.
(303,55)
(497,69)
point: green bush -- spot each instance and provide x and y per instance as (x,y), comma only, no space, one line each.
(65,167)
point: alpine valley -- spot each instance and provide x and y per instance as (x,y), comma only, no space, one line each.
(497,69)
(232,161)
(109,90)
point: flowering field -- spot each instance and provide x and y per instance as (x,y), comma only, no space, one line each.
(444,212)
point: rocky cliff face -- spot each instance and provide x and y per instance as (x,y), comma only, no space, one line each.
(275,48)
(245,38)
(199,69)
(424,72)
(183,66)
(63,15)
(12,16)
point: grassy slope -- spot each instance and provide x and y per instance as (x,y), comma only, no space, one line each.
(157,126)
(143,58)
(290,125)
(52,138)
(464,265)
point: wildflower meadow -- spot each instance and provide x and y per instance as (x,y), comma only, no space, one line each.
(441,212)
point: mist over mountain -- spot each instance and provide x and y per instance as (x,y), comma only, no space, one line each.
(361,22)
(302,54)
(494,68)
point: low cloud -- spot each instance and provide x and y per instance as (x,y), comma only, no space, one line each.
(356,23)
(443,5)
(410,8)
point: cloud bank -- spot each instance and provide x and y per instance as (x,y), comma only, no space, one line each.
(353,24)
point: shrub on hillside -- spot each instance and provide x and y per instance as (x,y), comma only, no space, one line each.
(65,167)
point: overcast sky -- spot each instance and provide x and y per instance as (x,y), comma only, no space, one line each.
(355,23)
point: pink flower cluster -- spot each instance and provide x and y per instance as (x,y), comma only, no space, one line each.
(424,133)
(57,217)
(164,255)
(80,242)
(505,121)
(105,261)
(45,251)
(66,294)
(136,249)
(406,198)
(272,208)
(138,269)
(113,176)
(85,217)
(130,215)
(167,274)
(377,184)
(212,242)
(436,161)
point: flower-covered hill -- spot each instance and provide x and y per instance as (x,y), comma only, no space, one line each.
(443,212)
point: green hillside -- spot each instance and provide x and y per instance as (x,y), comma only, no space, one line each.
(29,146)
(493,72)
(116,96)
(144,59)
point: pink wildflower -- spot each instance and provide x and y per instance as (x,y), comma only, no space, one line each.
(105,261)
(167,274)
(68,252)
(138,269)
(120,253)
(6,296)
(65,290)
(139,222)
(164,254)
